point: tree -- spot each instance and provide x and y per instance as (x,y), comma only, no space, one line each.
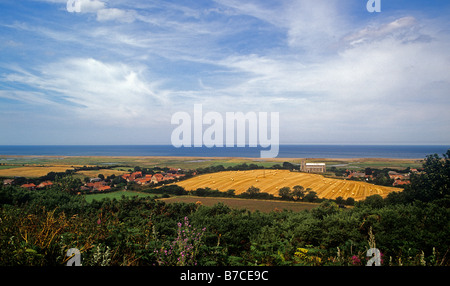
(253,190)
(285,193)
(288,166)
(230,192)
(433,183)
(298,192)
(311,196)
(340,200)
(350,201)
(374,202)
(69,184)
(326,208)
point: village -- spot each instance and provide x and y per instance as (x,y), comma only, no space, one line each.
(100,184)
(399,179)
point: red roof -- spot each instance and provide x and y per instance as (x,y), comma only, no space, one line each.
(28,185)
(44,184)
(103,188)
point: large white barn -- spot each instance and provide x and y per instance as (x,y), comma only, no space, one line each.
(313,167)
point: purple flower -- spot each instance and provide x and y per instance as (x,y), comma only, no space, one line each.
(355,260)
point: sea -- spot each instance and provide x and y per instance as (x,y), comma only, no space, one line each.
(285,151)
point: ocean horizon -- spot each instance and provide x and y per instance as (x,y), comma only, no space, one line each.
(285,151)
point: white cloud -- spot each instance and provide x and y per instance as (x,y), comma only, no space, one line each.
(104,92)
(114,14)
(91,6)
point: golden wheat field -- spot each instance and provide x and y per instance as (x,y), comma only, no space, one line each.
(30,172)
(105,172)
(270,181)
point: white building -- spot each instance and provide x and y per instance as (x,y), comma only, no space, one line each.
(313,167)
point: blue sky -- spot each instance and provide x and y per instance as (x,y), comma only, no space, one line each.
(115,72)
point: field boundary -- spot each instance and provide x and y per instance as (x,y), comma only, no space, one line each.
(241,203)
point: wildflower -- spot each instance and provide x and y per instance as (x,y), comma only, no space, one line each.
(355,260)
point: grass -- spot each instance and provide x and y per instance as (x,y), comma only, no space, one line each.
(3,167)
(195,162)
(249,204)
(115,195)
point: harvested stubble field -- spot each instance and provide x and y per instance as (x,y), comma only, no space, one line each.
(105,172)
(252,205)
(270,181)
(32,171)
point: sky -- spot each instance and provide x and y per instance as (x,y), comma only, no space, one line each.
(116,71)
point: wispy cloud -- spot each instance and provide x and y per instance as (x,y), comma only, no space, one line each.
(326,70)
(108,92)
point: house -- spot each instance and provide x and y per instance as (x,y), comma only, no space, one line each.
(44,185)
(95,185)
(143,181)
(168,177)
(29,186)
(400,182)
(102,188)
(156,178)
(126,177)
(135,175)
(313,167)
(131,177)
(8,182)
(397,176)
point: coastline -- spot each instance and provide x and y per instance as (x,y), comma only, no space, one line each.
(212,158)
(7,162)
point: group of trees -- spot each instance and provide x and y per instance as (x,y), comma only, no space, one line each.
(410,227)
(245,167)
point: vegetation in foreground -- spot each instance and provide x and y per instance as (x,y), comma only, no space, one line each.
(410,227)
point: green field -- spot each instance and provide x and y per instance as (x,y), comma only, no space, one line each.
(249,204)
(115,195)
(199,162)
(3,167)
(130,162)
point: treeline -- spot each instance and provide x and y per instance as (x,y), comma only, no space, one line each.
(244,167)
(409,228)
